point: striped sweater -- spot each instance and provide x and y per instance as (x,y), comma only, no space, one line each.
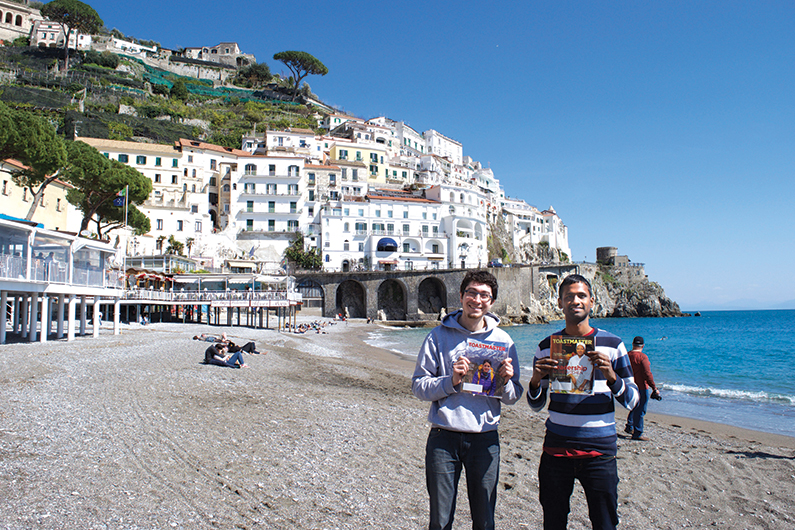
(586,423)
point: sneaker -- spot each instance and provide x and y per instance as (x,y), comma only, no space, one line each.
(628,429)
(640,438)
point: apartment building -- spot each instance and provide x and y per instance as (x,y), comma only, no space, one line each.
(178,204)
(386,230)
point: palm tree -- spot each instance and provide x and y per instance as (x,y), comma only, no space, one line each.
(189,243)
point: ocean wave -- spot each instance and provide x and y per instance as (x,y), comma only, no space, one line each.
(743,395)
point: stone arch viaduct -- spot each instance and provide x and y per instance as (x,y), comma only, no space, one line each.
(414,295)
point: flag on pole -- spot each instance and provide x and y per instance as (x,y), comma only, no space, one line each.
(122,193)
(118,201)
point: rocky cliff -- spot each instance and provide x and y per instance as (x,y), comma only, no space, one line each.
(614,297)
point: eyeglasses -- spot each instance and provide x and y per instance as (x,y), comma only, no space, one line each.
(474,295)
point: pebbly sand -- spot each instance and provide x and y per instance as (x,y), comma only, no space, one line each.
(131,431)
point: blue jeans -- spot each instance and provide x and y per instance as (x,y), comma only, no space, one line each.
(599,479)
(445,454)
(236,357)
(635,416)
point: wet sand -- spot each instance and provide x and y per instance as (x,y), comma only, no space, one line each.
(132,431)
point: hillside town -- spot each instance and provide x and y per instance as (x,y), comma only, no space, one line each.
(361,194)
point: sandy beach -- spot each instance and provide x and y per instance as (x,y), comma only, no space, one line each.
(132,431)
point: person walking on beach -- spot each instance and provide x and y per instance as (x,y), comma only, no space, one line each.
(641,367)
(580,441)
(464,425)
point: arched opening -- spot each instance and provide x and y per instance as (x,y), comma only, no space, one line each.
(351,300)
(431,296)
(346,266)
(392,300)
(311,292)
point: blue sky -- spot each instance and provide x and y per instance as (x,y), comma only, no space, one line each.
(662,128)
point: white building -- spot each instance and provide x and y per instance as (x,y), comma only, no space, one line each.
(387,230)
(463,211)
(438,144)
(178,204)
(16,20)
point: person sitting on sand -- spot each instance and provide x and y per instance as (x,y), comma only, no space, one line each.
(216,354)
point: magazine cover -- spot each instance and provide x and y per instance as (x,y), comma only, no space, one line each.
(483,378)
(574,372)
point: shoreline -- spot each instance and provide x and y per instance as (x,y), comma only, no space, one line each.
(132,431)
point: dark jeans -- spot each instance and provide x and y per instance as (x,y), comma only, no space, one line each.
(635,416)
(445,455)
(599,479)
(247,347)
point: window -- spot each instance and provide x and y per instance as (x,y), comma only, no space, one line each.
(193,188)
(58,205)
(361,212)
(226,187)
(292,189)
(424,215)
(159,224)
(346,246)
(140,160)
(271,206)
(378,213)
(374,158)
(354,175)
(406,247)
(213,181)
(374,171)
(390,228)
(193,174)
(334,195)
(435,231)
(190,159)
(389,213)
(293,171)
(123,158)
(406,230)
(434,216)
(424,230)
(157,177)
(293,207)
(174,179)
(185,186)
(106,155)
(346,212)
(212,164)
(271,225)
(311,211)
(332,179)
(251,169)
(174,162)
(198,226)
(344,174)
(179,226)
(249,225)
(158,161)
(311,177)
(292,226)
(271,169)
(311,195)
(358,156)
(346,227)
(361,247)
(343,154)
(435,249)
(249,206)
(406,214)
(361,228)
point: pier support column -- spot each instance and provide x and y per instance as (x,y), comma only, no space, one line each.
(4,304)
(59,328)
(34,317)
(70,323)
(116,311)
(45,318)
(83,313)
(24,320)
(17,305)
(96,308)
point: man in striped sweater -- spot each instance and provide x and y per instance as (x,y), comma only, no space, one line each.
(580,440)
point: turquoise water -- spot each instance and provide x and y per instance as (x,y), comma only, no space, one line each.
(730,367)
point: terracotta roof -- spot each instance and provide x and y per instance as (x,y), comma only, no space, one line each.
(320,166)
(19,165)
(183,143)
(103,143)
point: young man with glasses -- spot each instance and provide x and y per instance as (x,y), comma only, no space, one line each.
(464,424)
(581,430)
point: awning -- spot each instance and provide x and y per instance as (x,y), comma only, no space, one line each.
(388,261)
(434,258)
(387,244)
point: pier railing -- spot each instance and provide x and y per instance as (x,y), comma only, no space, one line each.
(208,297)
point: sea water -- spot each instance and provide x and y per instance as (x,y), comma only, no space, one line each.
(730,367)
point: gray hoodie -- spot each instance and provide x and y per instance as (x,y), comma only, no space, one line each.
(433,381)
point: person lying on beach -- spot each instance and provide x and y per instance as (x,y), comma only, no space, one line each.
(216,354)
(206,338)
(248,347)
